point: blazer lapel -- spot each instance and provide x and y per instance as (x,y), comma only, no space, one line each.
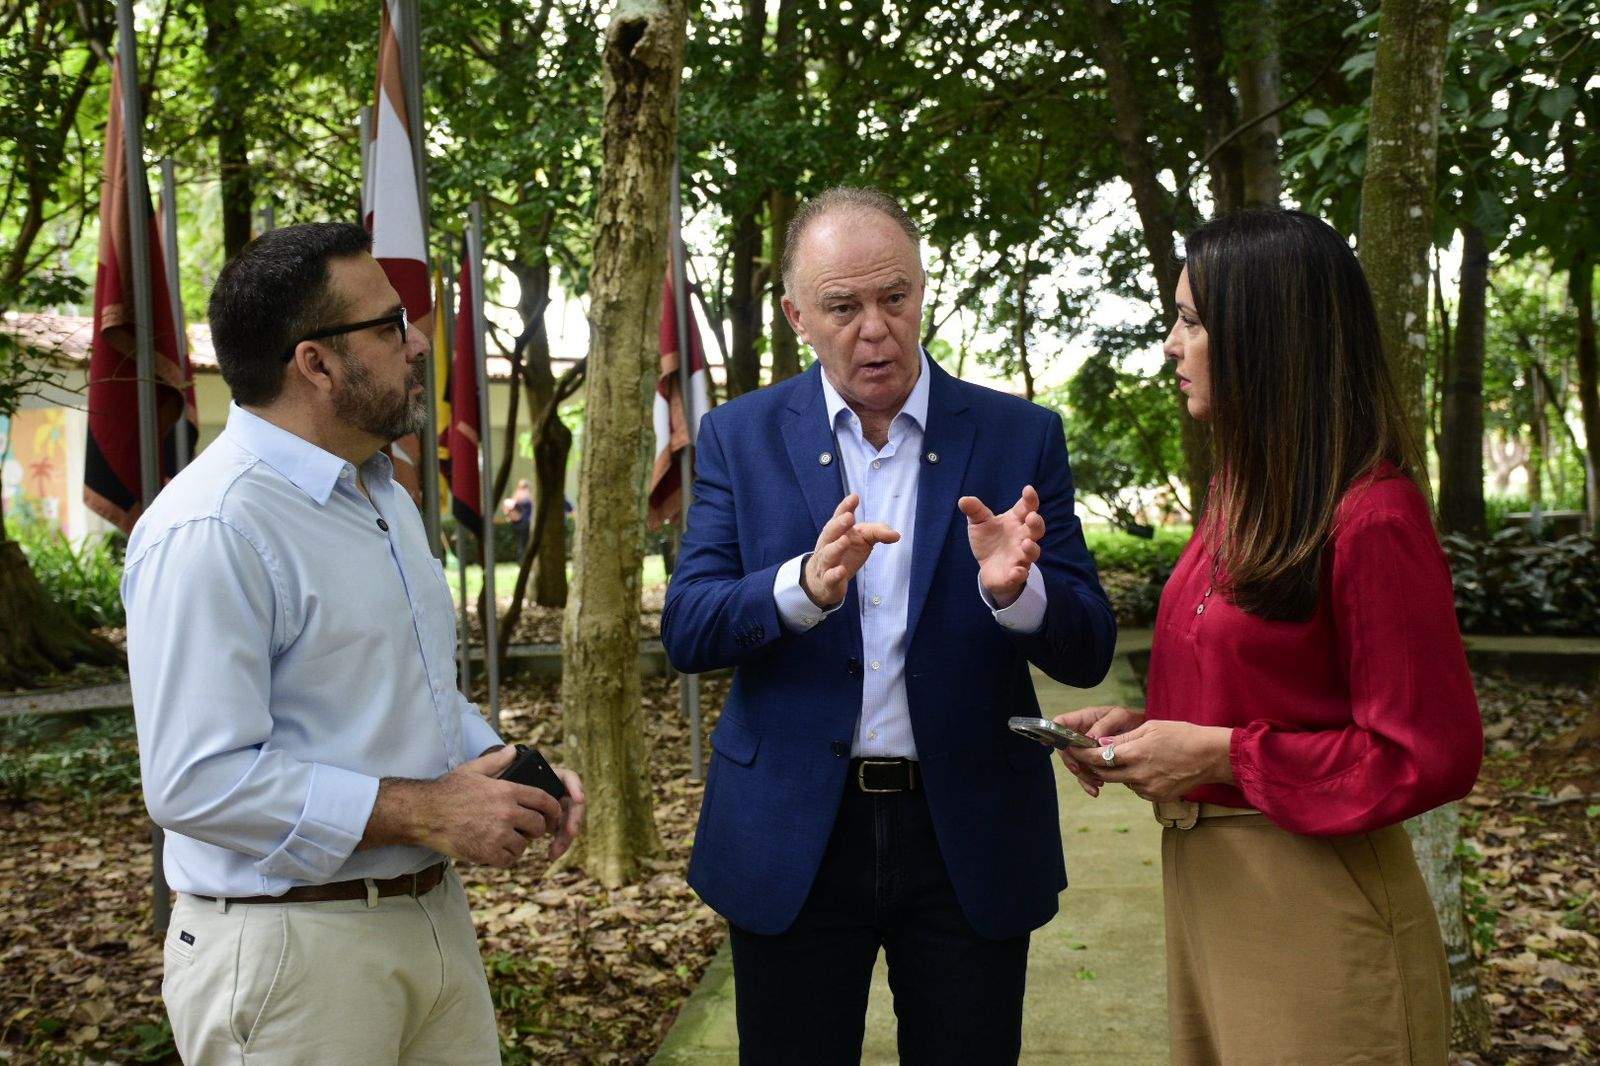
(808,437)
(948,440)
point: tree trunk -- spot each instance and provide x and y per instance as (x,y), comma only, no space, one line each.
(1218,111)
(603,716)
(1022,326)
(1259,79)
(1397,196)
(785,345)
(1580,289)
(1156,215)
(551,447)
(744,307)
(228,123)
(1461,506)
(37,637)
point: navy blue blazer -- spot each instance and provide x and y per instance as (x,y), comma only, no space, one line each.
(781,749)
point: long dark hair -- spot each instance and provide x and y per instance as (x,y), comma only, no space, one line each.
(1302,400)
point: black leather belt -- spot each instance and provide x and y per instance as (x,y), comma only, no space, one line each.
(418,884)
(885,775)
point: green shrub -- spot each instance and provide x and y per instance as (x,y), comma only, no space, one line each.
(1511,583)
(87,763)
(85,580)
(1115,550)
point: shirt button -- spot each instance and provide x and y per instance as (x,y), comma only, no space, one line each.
(877,464)
(872,735)
(347,472)
(876,600)
(876,665)
(383,525)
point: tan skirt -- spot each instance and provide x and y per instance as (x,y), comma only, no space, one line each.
(1299,950)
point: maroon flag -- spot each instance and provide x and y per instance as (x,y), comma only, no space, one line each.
(673,431)
(461,437)
(111,480)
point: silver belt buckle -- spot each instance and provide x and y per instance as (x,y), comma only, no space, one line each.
(861,775)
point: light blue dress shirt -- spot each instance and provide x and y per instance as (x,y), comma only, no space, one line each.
(290,642)
(886,480)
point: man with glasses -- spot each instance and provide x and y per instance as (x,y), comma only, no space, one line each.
(291,643)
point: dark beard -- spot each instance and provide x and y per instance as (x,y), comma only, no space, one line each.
(388,416)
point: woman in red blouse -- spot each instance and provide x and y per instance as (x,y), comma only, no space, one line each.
(1308,689)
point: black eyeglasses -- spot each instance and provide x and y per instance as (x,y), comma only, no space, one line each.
(398,318)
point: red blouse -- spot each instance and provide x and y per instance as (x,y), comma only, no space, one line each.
(1356,719)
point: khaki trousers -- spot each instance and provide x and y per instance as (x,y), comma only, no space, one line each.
(337,982)
(1299,950)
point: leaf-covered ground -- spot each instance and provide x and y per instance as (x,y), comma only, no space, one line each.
(579,974)
(582,975)
(1533,834)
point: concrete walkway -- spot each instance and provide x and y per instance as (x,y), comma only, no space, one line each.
(1096,988)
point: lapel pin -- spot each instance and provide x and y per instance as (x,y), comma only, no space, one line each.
(825,458)
(933,457)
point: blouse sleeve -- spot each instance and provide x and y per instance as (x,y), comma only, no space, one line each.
(1416,739)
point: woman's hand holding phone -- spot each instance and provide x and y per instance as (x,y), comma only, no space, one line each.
(1096,722)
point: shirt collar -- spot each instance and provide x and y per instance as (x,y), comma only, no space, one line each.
(916,405)
(309,468)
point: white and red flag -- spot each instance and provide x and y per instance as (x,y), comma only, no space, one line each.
(391,203)
(675,432)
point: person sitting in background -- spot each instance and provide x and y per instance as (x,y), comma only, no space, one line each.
(1308,689)
(519,512)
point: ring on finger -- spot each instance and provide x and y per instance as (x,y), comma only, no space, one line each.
(1108,755)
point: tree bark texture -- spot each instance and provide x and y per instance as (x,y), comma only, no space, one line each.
(38,637)
(1397,194)
(744,307)
(228,124)
(1580,289)
(785,345)
(1397,191)
(1461,506)
(603,718)
(551,446)
(1260,76)
(1156,216)
(1219,112)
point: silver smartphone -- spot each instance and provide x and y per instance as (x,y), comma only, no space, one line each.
(1047,732)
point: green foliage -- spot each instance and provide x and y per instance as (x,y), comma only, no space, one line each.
(46,758)
(85,580)
(1511,583)
(1115,550)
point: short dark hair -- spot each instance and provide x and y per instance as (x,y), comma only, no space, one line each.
(851,197)
(1302,400)
(271,294)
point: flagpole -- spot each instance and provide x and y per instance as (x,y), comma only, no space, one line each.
(411,79)
(464,631)
(144,343)
(689,684)
(269,217)
(169,225)
(491,643)
(364,124)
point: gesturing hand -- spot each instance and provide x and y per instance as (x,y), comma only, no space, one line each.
(842,549)
(1004,544)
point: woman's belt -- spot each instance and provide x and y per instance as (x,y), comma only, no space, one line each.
(1183,814)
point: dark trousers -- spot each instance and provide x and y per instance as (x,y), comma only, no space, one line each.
(801,996)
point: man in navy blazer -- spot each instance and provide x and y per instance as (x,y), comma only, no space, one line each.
(864,791)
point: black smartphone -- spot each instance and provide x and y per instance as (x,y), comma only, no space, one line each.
(529,768)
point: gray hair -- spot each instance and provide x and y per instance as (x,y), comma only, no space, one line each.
(838,198)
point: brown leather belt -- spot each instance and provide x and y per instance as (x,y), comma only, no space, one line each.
(1183,814)
(885,775)
(417,884)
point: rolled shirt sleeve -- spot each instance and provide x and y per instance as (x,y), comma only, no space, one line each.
(202,629)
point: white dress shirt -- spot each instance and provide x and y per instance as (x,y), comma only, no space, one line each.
(290,642)
(886,480)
